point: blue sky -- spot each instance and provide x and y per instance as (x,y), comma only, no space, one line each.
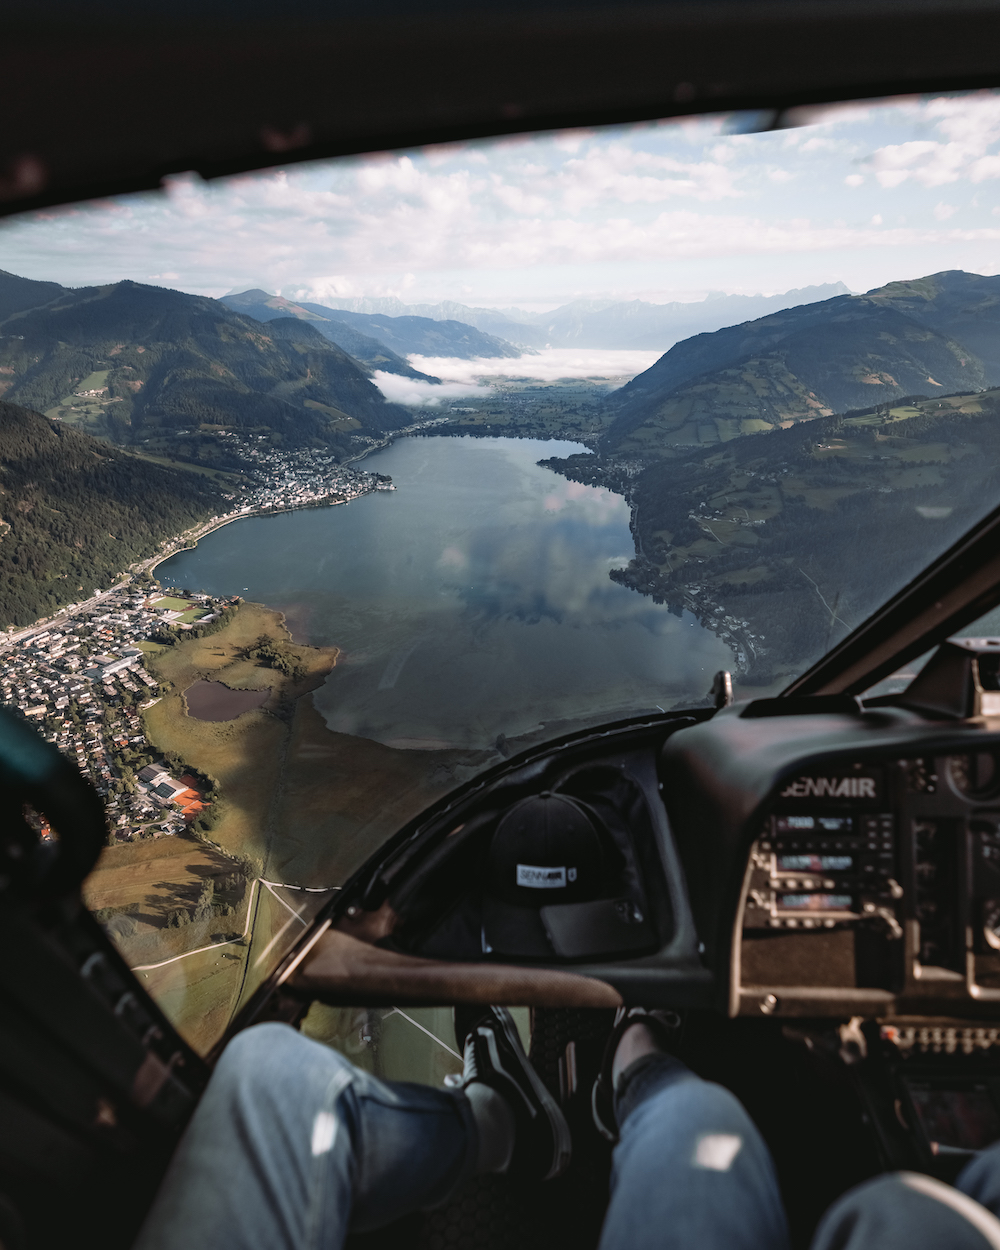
(861,193)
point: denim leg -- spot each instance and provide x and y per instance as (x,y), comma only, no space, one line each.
(980,1179)
(291,1146)
(908,1211)
(690,1170)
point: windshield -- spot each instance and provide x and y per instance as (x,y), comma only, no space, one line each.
(329,487)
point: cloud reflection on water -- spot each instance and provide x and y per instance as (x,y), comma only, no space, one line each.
(472,601)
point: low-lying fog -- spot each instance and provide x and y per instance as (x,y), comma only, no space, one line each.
(461,379)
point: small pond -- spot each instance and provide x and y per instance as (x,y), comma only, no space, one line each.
(211,700)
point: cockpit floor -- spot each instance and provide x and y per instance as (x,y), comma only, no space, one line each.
(494,1213)
(801,1099)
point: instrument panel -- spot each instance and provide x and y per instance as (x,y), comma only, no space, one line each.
(871,884)
(897,863)
(866,836)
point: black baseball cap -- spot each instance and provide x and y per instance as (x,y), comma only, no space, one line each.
(547,849)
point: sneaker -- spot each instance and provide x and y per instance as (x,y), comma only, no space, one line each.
(664,1025)
(493,1054)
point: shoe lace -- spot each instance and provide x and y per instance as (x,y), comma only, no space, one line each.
(470,1068)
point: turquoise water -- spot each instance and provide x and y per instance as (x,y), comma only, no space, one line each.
(473,600)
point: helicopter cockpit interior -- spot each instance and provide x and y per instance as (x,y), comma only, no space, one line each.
(810,880)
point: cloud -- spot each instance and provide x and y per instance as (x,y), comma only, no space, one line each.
(596,505)
(419,394)
(943,211)
(622,174)
(932,163)
(453,558)
(531,214)
(545,366)
(968,127)
(467,379)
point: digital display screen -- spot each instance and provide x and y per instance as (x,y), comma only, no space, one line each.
(814,902)
(814,824)
(815,863)
(962,1118)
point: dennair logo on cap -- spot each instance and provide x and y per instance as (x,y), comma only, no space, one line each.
(536,878)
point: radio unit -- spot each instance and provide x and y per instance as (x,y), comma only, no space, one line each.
(822,869)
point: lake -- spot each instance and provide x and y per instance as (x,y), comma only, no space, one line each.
(472,601)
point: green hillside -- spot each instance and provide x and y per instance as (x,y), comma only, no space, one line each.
(160,362)
(841,354)
(799,534)
(17,294)
(74,512)
(780,523)
(962,306)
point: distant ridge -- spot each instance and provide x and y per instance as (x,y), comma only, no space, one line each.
(405,335)
(601,323)
(371,353)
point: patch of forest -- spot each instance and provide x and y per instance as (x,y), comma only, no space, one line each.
(75,512)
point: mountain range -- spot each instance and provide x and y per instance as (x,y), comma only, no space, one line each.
(156,361)
(832,356)
(871,420)
(874,438)
(377,337)
(602,323)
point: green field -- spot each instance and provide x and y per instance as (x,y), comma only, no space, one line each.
(571,408)
(172,604)
(87,413)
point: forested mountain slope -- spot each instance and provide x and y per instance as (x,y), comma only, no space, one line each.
(423,336)
(17,293)
(159,361)
(962,306)
(785,541)
(74,512)
(840,354)
(368,351)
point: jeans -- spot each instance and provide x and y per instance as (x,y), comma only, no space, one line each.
(691,1170)
(292,1147)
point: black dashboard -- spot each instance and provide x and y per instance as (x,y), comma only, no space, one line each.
(795,857)
(867,847)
